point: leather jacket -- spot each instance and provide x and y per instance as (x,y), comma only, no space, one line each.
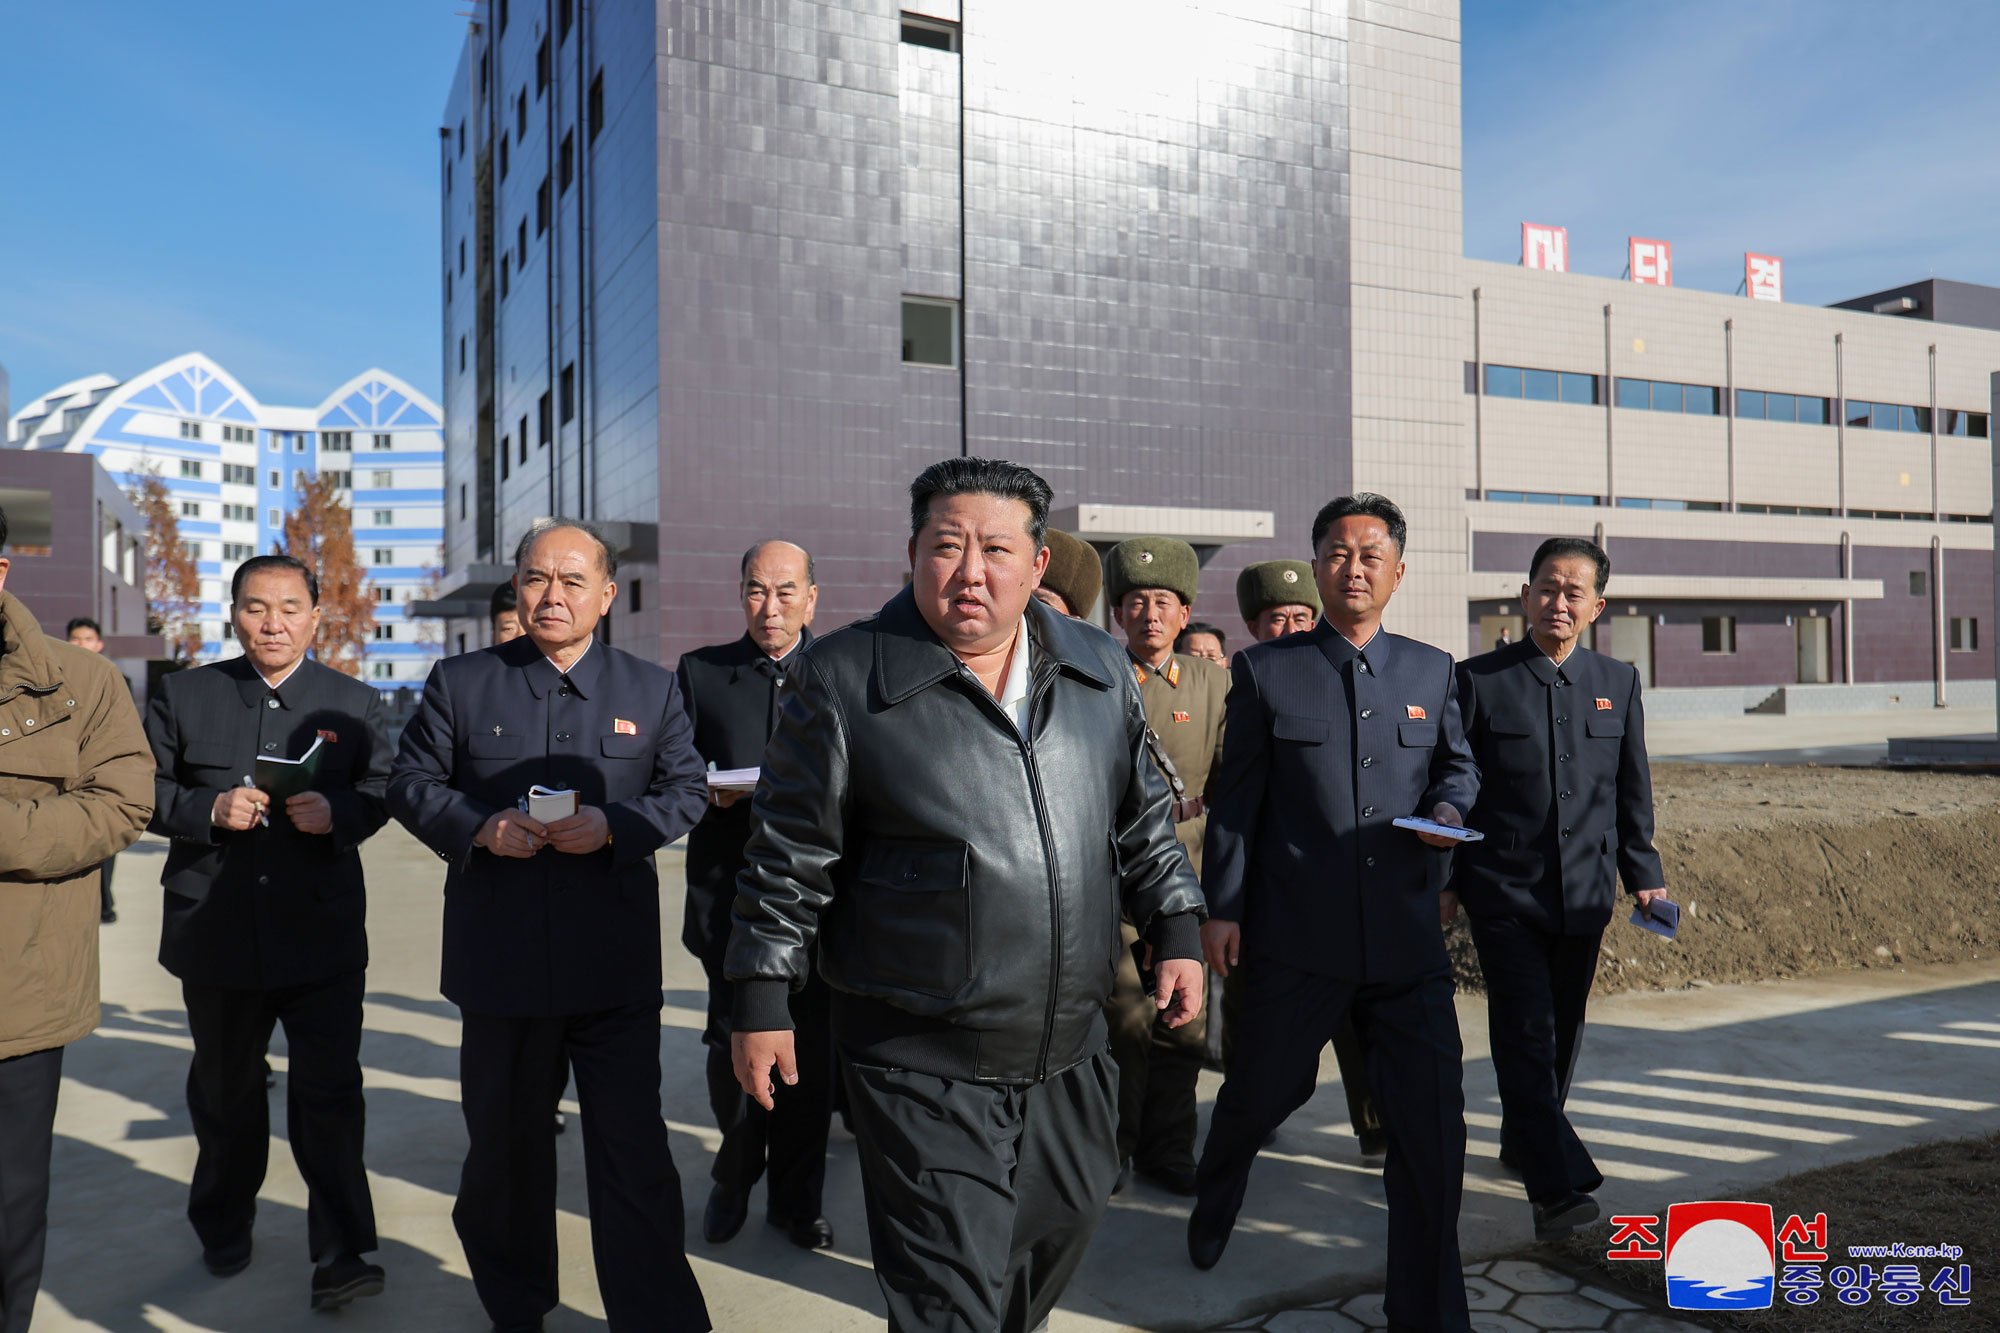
(964,884)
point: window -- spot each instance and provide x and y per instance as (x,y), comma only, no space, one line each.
(385,518)
(565,169)
(542,207)
(1697,399)
(190,469)
(342,481)
(190,430)
(299,479)
(1963,423)
(1540,498)
(461,256)
(274,480)
(521,115)
(337,442)
(521,243)
(461,499)
(228,628)
(191,549)
(503,157)
(930,32)
(1666,397)
(1540,385)
(1692,506)
(382,480)
(1700,400)
(1634,394)
(461,138)
(543,421)
(239,474)
(522,434)
(238,435)
(275,517)
(237,550)
(385,633)
(1919,582)
(564,10)
(461,353)
(447,177)
(566,384)
(506,457)
(384,442)
(542,67)
(384,556)
(274,442)
(930,332)
(1718,634)
(596,116)
(503,277)
(298,444)
(385,594)
(240,514)
(382,671)
(503,15)
(636,600)
(189,509)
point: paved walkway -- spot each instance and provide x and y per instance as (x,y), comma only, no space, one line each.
(1805,738)
(1688,1095)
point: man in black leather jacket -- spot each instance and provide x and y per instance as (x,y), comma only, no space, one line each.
(957,805)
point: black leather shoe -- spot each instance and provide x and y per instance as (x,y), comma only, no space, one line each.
(1205,1240)
(725,1215)
(227,1260)
(109,916)
(1565,1216)
(535,1327)
(1374,1143)
(347,1278)
(1124,1176)
(1173,1179)
(812,1233)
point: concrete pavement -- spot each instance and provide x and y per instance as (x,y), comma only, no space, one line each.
(1683,1095)
(1804,738)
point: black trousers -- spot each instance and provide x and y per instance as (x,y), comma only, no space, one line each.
(1409,1033)
(28,1086)
(789,1140)
(1537,987)
(511,1074)
(105,903)
(981,1197)
(1347,1052)
(325,1117)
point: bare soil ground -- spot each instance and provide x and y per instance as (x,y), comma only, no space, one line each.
(1932,1194)
(1788,871)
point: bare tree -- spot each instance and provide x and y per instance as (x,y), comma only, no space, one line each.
(429,629)
(320,532)
(173,583)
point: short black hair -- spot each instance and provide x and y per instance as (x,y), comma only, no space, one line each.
(1555,548)
(1365,504)
(504,599)
(257,564)
(82,622)
(812,571)
(1200,627)
(607,554)
(982,476)
(3,529)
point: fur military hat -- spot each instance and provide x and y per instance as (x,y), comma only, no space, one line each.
(1152,562)
(1075,574)
(1270,583)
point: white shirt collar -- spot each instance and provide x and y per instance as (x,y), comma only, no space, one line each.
(785,656)
(273,685)
(1014,690)
(579,657)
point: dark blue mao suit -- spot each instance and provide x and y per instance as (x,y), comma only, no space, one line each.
(555,962)
(1567,809)
(1323,746)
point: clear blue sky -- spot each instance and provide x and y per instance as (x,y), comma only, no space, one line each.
(258,180)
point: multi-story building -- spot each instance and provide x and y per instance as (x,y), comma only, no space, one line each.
(235,467)
(717,274)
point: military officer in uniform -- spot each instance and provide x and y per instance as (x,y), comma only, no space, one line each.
(1566,804)
(265,919)
(731,693)
(1151,581)
(1331,736)
(1074,578)
(552,932)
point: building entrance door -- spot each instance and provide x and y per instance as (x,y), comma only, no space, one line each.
(1815,649)
(1631,641)
(1491,628)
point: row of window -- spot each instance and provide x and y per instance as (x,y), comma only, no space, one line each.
(1715,506)
(565,403)
(1564,386)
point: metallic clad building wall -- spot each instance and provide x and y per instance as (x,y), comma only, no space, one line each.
(780,271)
(1157,307)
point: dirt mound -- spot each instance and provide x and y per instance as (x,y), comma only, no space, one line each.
(1784,872)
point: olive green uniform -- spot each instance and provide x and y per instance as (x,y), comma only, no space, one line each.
(1158,1065)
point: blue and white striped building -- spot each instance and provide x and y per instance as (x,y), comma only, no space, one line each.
(235,466)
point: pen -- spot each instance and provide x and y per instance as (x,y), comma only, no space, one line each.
(262,818)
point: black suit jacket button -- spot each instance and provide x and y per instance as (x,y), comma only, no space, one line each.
(270,703)
(1367,713)
(270,745)
(1371,861)
(1367,812)
(1565,833)
(562,735)
(1562,759)
(1562,721)
(564,691)
(263,879)
(1368,762)
(1562,796)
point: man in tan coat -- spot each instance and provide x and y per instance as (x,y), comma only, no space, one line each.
(1150,583)
(76,786)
